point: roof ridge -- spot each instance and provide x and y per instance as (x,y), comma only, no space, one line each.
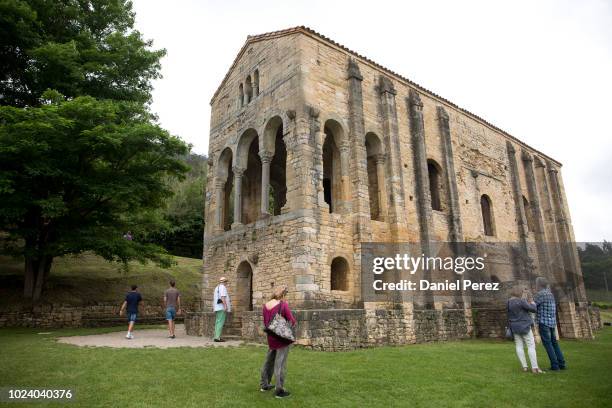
(302,28)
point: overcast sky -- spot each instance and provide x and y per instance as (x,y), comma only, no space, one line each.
(541,70)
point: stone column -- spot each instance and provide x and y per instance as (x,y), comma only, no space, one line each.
(556,266)
(219,204)
(266,159)
(345,177)
(568,248)
(526,264)
(423,197)
(393,173)
(358,170)
(569,320)
(534,204)
(456,227)
(454,212)
(380,160)
(238,172)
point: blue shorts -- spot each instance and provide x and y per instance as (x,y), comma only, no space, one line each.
(170,313)
(132,317)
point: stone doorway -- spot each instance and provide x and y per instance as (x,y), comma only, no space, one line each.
(244,288)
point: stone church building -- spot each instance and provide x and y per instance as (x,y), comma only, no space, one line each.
(315,150)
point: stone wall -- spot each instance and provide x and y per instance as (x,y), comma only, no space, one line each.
(58,315)
(376,325)
(596,322)
(349,329)
(489,322)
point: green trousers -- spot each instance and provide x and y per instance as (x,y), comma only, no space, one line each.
(219,322)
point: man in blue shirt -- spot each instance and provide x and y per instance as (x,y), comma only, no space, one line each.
(547,323)
(131,302)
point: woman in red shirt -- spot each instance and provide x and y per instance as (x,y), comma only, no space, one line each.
(276,359)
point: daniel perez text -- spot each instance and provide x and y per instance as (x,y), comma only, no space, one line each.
(424,284)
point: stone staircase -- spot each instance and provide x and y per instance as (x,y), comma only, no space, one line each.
(233,327)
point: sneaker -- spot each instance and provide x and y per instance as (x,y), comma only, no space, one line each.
(173,337)
(127,336)
(282,394)
(218,340)
(266,388)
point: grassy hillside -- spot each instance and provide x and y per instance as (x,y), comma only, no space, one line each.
(88,279)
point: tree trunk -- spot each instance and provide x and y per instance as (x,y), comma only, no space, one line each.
(29,277)
(44,267)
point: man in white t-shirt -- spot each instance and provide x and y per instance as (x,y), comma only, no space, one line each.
(221,305)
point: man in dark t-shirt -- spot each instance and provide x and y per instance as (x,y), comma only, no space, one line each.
(131,302)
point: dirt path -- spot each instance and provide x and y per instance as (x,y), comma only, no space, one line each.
(146,338)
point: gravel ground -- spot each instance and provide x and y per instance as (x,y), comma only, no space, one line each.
(146,338)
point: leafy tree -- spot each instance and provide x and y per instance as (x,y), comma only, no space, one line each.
(596,263)
(75,175)
(82,160)
(75,47)
(182,229)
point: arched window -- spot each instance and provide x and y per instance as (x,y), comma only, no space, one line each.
(248,90)
(225,174)
(251,185)
(435,185)
(528,215)
(256,83)
(332,174)
(487,215)
(241,96)
(339,274)
(375,180)
(273,141)
(247,159)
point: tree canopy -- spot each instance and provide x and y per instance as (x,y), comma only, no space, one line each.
(82,159)
(75,174)
(75,47)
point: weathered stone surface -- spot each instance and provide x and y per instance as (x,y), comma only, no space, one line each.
(58,315)
(347,164)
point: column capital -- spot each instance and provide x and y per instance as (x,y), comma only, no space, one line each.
(442,114)
(313,112)
(353,70)
(538,162)
(238,171)
(526,157)
(386,86)
(265,156)
(414,100)
(380,158)
(510,147)
(344,148)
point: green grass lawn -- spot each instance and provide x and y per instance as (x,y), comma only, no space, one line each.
(475,373)
(88,279)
